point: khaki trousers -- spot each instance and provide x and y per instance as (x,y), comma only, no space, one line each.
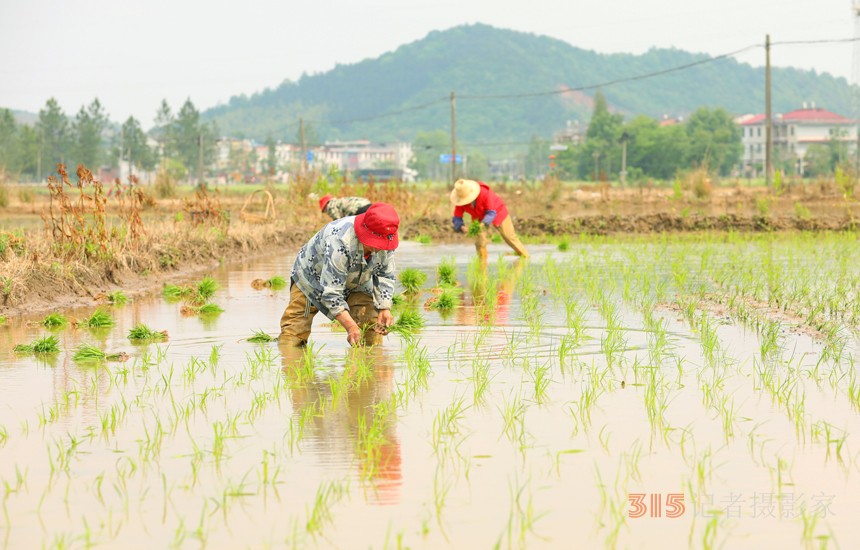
(506,230)
(299,316)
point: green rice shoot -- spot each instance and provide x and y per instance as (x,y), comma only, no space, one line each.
(407,323)
(142,333)
(175,292)
(3,319)
(446,273)
(205,289)
(117,298)
(261,337)
(448,299)
(475,228)
(210,309)
(47,344)
(89,352)
(412,280)
(100,318)
(276,282)
(54,320)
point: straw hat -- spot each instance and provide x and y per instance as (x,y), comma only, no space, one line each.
(324,201)
(464,192)
(377,227)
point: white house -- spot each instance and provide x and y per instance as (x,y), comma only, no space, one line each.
(793,134)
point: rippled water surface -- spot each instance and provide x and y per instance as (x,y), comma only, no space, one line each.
(537,414)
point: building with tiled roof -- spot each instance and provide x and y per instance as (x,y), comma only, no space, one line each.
(793,133)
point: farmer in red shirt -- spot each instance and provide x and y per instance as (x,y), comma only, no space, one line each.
(476,199)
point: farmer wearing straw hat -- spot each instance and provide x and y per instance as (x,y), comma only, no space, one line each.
(339,208)
(478,200)
(346,271)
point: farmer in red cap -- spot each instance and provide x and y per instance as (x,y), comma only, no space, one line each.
(339,208)
(478,200)
(346,271)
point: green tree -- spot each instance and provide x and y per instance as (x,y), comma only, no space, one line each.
(8,141)
(714,140)
(162,132)
(537,157)
(28,150)
(87,130)
(193,140)
(818,160)
(53,130)
(602,149)
(134,148)
(658,151)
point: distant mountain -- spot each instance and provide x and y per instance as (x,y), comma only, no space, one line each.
(24,117)
(479,62)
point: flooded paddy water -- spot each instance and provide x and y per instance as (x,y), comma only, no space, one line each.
(691,391)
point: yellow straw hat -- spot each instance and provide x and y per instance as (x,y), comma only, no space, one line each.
(464,192)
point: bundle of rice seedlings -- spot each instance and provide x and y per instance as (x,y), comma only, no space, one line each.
(210,309)
(54,320)
(117,298)
(142,333)
(205,289)
(407,323)
(446,273)
(174,292)
(447,299)
(412,280)
(424,239)
(474,228)
(261,337)
(276,282)
(398,299)
(99,318)
(48,344)
(89,352)
(3,319)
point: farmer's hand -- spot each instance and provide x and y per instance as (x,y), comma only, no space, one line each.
(353,335)
(463,229)
(384,319)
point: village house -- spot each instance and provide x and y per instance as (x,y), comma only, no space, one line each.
(793,134)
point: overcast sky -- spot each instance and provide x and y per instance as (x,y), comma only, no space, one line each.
(131,54)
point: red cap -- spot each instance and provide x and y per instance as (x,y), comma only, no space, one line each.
(377,227)
(324,201)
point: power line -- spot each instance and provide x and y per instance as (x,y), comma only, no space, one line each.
(618,80)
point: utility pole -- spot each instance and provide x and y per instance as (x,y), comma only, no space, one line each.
(302,139)
(453,140)
(199,159)
(624,138)
(768,132)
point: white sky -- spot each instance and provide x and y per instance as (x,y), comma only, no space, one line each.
(131,54)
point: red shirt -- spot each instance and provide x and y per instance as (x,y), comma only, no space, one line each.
(487,200)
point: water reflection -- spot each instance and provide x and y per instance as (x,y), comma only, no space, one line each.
(348,413)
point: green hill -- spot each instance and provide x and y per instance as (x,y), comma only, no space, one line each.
(478,62)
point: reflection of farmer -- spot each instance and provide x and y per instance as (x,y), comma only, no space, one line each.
(339,208)
(336,423)
(476,199)
(345,271)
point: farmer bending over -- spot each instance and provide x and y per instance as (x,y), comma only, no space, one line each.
(345,271)
(478,200)
(339,208)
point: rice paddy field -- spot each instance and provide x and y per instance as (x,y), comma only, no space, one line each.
(695,390)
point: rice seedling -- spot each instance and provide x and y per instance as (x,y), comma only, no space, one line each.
(99,319)
(54,320)
(117,298)
(142,333)
(204,290)
(261,337)
(89,352)
(210,309)
(447,300)
(409,322)
(475,228)
(277,282)
(564,244)
(446,273)
(175,292)
(412,280)
(424,239)
(47,344)
(3,319)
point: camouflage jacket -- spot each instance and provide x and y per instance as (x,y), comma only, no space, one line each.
(345,206)
(331,266)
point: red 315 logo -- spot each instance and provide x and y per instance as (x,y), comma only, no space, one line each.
(674,505)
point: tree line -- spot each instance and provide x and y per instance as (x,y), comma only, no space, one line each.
(32,152)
